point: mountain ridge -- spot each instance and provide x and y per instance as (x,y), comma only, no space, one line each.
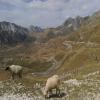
(10,31)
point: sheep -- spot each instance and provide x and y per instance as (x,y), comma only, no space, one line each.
(52,83)
(15,70)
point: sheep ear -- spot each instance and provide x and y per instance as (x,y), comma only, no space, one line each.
(7,68)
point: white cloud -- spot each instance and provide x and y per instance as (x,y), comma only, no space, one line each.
(48,12)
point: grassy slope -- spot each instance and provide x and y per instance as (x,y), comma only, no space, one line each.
(22,55)
(86,57)
(32,57)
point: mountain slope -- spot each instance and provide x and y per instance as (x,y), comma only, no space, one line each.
(85,43)
(89,31)
(70,25)
(11,33)
(35,29)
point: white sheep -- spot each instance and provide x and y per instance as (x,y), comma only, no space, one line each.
(52,83)
(15,70)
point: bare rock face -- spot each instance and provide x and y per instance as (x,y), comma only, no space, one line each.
(69,26)
(75,22)
(35,29)
(72,24)
(11,33)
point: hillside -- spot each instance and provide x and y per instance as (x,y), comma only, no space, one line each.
(86,45)
(69,26)
(75,57)
(89,32)
(11,33)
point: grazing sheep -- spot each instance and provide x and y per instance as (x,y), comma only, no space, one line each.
(52,83)
(15,70)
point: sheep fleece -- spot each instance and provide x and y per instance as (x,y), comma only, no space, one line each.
(15,68)
(52,83)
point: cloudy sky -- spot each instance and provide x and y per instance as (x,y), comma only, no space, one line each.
(45,13)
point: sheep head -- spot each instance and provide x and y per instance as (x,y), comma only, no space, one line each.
(7,68)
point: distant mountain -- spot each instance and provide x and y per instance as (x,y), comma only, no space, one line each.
(75,22)
(90,31)
(11,33)
(35,29)
(69,26)
(72,24)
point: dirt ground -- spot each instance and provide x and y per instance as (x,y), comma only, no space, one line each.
(4,75)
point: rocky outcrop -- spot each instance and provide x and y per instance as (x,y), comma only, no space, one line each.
(72,24)
(69,26)
(35,29)
(11,33)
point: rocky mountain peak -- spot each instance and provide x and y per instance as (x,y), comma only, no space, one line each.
(35,29)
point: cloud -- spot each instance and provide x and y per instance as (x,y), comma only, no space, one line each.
(27,1)
(45,13)
(6,6)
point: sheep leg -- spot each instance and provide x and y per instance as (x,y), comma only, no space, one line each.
(50,91)
(20,74)
(13,76)
(57,91)
(47,96)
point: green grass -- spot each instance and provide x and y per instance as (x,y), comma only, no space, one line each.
(85,58)
(59,56)
(88,69)
(22,56)
(35,66)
